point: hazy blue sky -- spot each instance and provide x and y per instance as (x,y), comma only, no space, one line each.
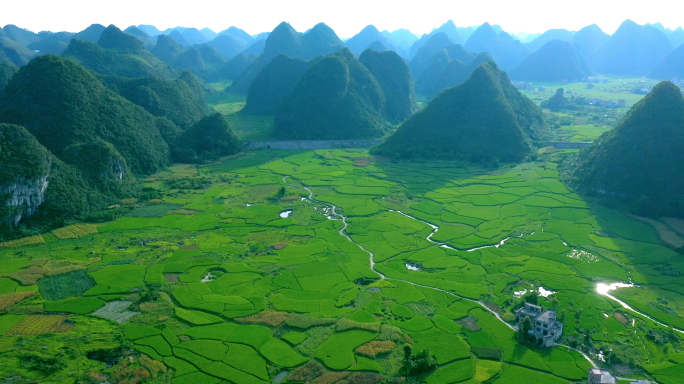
(345,17)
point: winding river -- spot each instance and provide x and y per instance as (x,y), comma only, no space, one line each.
(602,289)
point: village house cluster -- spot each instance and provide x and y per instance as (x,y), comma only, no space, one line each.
(545,324)
(523,86)
(607,103)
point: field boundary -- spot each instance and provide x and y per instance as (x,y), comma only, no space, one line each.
(309,144)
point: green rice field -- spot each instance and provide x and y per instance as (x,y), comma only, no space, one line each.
(218,286)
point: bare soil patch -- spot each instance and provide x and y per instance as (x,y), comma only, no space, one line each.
(621,318)
(667,235)
(171,277)
(676,224)
(361,161)
(273,319)
(469,322)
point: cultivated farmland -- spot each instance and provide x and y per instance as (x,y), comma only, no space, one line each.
(212,284)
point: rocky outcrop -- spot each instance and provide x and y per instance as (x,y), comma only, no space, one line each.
(23,197)
(25,166)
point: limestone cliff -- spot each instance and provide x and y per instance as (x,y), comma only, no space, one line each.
(24,169)
(22,197)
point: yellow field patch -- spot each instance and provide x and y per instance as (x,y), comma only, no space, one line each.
(486,369)
(75,231)
(273,319)
(361,161)
(23,242)
(10,299)
(28,276)
(33,325)
(375,348)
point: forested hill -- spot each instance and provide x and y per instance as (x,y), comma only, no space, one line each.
(320,40)
(272,83)
(394,77)
(336,98)
(483,119)
(79,145)
(119,54)
(637,166)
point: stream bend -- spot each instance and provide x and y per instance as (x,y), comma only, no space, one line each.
(383,277)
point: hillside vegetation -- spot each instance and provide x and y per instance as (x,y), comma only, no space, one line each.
(425,55)
(208,139)
(181,100)
(272,83)
(637,166)
(456,72)
(320,40)
(337,98)
(62,104)
(117,54)
(98,143)
(202,60)
(394,78)
(483,119)
(7,70)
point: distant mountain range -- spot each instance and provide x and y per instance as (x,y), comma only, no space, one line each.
(551,34)
(320,40)
(118,54)
(506,51)
(588,39)
(633,50)
(555,61)
(450,66)
(671,66)
(449,29)
(369,35)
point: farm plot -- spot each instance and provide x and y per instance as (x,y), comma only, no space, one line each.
(70,284)
(116,311)
(225,289)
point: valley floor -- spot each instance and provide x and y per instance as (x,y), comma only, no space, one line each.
(224,278)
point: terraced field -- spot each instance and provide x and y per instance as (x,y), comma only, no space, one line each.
(217,286)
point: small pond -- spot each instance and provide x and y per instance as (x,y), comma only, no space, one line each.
(412,267)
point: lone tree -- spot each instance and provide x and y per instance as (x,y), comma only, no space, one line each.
(524,329)
(532,298)
(281,192)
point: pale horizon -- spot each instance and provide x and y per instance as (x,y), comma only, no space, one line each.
(346,20)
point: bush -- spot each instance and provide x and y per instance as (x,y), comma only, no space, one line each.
(414,365)
(45,364)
